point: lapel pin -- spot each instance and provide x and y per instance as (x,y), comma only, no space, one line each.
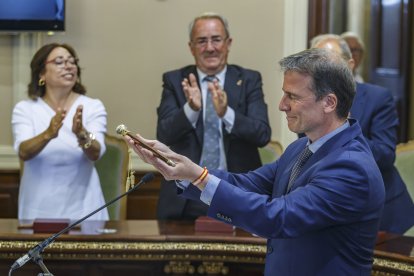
(239,82)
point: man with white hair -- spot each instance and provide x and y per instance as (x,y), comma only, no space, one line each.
(357,47)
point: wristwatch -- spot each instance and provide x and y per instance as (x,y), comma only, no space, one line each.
(87,136)
(91,138)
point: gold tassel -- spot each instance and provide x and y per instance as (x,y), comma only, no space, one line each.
(130,181)
(132,177)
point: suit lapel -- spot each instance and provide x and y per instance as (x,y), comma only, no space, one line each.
(357,108)
(232,87)
(329,147)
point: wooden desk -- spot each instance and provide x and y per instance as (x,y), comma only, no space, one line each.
(148,247)
(144,247)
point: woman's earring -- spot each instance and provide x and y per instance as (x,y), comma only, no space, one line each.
(41,82)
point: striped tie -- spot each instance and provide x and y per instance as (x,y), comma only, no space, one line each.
(297,167)
(210,156)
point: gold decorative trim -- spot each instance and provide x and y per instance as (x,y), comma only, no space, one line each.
(214,268)
(152,246)
(143,257)
(179,268)
(212,255)
(184,251)
(391,264)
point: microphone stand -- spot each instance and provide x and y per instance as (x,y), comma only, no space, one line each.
(35,252)
(37,258)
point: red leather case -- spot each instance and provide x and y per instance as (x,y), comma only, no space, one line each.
(49,225)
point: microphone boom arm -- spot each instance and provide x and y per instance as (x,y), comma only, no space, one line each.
(35,252)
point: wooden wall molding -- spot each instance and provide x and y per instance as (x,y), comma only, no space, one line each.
(10,161)
(8,158)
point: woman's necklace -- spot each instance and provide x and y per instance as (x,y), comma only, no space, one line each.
(66,104)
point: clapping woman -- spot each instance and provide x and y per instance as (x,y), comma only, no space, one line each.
(58,134)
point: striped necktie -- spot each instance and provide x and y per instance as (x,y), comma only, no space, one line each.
(297,167)
(210,156)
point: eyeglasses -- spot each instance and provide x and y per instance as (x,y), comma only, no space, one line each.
(216,41)
(60,62)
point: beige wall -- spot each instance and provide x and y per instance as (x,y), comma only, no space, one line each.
(124,47)
(5,89)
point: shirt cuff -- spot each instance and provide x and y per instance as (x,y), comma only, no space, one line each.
(191,115)
(228,119)
(210,189)
(182,184)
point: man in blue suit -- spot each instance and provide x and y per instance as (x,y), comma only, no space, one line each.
(238,102)
(375,111)
(320,204)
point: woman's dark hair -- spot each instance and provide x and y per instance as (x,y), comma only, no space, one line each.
(37,66)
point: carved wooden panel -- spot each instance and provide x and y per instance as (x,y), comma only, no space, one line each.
(391,47)
(9,190)
(326,16)
(142,203)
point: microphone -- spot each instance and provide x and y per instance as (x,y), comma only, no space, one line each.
(22,260)
(35,252)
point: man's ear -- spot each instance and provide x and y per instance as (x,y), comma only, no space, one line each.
(230,40)
(351,64)
(191,48)
(330,103)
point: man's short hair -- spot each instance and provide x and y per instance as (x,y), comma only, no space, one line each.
(329,73)
(209,15)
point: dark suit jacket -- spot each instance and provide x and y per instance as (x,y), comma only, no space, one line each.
(326,225)
(251,130)
(374,108)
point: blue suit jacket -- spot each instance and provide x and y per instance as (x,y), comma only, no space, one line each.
(251,129)
(326,225)
(375,111)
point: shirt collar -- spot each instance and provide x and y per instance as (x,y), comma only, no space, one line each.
(220,75)
(318,143)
